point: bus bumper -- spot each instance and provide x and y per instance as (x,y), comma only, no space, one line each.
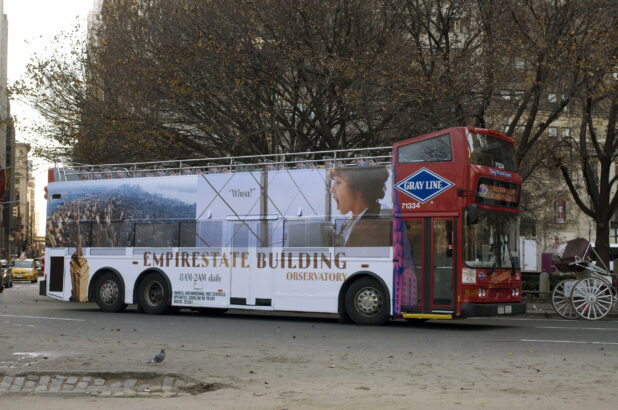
(492,309)
(43,287)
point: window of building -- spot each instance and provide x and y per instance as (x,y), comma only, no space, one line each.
(613,232)
(552,131)
(520,63)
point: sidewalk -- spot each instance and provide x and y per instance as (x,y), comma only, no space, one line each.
(540,306)
(106,384)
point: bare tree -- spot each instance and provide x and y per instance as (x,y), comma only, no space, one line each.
(595,151)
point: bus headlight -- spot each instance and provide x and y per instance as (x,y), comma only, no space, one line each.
(468,276)
(515,292)
(482,293)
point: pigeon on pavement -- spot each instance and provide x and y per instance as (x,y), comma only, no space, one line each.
(159,357)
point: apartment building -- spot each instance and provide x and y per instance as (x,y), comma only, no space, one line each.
(7,140)
(23,209)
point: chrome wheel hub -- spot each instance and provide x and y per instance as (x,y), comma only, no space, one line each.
(154,294)
(368,301)
(109,292)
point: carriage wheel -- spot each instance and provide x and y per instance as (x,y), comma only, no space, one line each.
(562,303)
(592,298)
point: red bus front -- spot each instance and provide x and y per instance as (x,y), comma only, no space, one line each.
(456,225)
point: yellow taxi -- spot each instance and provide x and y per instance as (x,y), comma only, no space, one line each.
(24,269)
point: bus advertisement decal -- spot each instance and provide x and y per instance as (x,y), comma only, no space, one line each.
(423,185)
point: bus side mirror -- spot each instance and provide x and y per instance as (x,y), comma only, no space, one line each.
(473,215)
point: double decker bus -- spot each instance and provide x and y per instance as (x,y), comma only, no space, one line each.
(425,229)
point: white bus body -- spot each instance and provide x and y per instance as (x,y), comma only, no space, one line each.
(264,239)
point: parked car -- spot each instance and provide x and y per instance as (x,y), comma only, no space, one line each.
(6,275)
(38,266)
(24,269)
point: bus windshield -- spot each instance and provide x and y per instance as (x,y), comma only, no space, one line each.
(490,151)
(492,242)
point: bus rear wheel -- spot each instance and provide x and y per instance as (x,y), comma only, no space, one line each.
(366,302)
(108,293)
(154,294)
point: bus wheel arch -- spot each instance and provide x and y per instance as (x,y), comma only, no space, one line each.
(153,292)
(107,290)
(364,287)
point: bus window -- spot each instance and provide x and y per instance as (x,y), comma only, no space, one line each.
(162,234)
(491,151)
(241,236)
(103,234)
(210,234)
(308,232)
(368,237)
(275,233)
(493,242)
(367,231)
(85,233)
(60,234)
(437,149)
(121,233)
(257,233)
(187,234)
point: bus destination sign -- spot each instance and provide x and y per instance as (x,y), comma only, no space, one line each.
(499,193)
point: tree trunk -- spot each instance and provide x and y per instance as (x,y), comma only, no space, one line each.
(601,243)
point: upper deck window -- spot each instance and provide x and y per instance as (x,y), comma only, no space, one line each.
(491,151)
(437,149)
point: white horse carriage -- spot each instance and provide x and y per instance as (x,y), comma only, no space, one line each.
(592,294)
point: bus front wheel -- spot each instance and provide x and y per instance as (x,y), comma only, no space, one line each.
(108,293)
(366,302)
(154,294)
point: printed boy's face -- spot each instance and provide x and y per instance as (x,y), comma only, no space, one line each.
(344,196)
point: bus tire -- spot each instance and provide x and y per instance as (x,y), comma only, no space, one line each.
(366,302)
(108,293)
(153,294)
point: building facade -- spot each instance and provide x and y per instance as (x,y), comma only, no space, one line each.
(7,142)
(23,208)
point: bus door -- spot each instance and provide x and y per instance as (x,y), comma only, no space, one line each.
(240,239)
(59,278)
(432,247)
(249,285)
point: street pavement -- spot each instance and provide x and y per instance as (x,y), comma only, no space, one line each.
(164,380)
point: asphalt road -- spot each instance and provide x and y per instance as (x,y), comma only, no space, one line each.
(294,357)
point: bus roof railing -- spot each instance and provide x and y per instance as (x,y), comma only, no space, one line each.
(296,160)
